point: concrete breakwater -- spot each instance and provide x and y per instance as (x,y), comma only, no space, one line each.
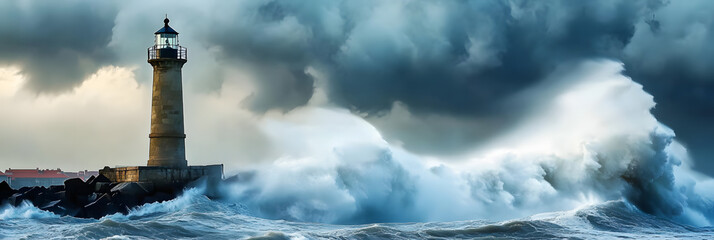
(95,198)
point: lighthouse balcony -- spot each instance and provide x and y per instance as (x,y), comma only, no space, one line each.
(166,52)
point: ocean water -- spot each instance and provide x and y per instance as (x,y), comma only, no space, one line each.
(195,216)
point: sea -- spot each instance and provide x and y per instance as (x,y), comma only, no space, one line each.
(195,216)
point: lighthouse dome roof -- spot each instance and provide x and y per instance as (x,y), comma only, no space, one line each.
(166,28)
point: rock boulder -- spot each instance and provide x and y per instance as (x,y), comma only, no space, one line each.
(75,186)
(5,191)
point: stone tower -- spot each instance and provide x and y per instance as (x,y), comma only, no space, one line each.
(167,167)
(167,139)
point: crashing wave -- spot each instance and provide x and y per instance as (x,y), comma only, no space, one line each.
(594,141)
(25,211)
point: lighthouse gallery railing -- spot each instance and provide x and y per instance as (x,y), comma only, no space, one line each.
(166,51)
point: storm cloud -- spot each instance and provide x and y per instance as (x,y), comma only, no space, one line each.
(460,72)
(438,77)
(57,45)
(671,55)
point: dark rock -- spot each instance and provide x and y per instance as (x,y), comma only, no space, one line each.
(61,195)
(23,189)
(56,188)
(99,184)
(102,187)
(99,207)
(72,198)
(129,194)
(175,188)
(95,198)
(70,210)
(32,193)
(112,209)
(62,208)
(92,197)
(55,207)
(158,197)
(60,203)
(123,209)
(50,205)
(4,186)
(45,197)
(79,200)
(147,186)
(5,191)
(75,186)
(120,205)
(127,202)
(130,188)
(98,179)
(15,199)
(89,180)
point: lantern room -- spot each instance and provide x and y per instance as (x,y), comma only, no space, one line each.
(166,45)
(166,37)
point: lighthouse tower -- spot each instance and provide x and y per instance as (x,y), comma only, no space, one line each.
(167,166)
(167,138)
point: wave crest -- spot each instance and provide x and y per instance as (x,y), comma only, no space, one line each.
(594,141)
(24,211)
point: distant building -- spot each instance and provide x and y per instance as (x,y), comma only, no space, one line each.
(3,177)
(84,175)
(36,177)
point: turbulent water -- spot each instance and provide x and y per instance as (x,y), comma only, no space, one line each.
(196,216)
(594,147)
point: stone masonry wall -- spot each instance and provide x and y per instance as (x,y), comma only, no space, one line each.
(162,175)
(167,138)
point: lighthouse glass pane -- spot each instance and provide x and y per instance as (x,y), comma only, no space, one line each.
(166,40)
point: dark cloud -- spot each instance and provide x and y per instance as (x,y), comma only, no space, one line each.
(447,57)
(465,60)
(429,64)
(453,62)
(671,55)
(55,44)
(275,47)
(459,69)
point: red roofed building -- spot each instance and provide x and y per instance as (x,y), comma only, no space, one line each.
(35,177)
(3,177)
(84,175)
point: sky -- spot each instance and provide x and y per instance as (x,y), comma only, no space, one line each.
(439,79)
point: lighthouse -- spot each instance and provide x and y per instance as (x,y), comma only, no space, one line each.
(167,165)
(167,147)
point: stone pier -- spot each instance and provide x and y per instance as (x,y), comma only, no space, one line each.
(163,175)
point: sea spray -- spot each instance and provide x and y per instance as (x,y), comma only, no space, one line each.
(24,211)
(594,141)
(187,198)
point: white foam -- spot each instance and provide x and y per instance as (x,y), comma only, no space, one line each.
(337,168)
(25,211)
